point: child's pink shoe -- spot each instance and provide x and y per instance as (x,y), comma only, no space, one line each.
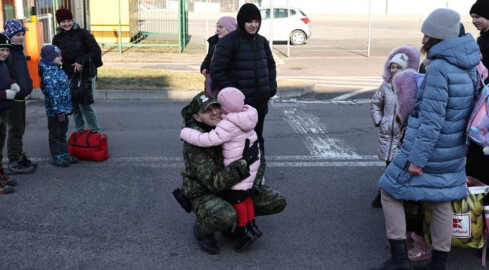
(420,251)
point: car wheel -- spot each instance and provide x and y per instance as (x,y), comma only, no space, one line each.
(297,37)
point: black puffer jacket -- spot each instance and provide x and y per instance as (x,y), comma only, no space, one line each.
(483,41)
(206,64)
(17,65)
(245,62)
(76,46)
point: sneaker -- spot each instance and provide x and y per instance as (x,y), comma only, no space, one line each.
(4,190)
(6,180)
(71,159)
(59,161)
(27,161)
(20,167)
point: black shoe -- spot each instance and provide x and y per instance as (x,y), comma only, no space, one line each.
(256,231)
(245,238)
(19,167)
(27,161)
(206,242)
(376,203)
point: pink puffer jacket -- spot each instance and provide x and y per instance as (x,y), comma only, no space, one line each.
(231,133)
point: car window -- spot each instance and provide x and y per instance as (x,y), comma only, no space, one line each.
(282,12)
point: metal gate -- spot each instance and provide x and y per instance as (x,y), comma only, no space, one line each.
(143,23)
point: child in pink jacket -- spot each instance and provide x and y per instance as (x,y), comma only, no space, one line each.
(237,125)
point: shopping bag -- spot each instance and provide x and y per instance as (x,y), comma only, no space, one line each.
(468,217)
(88,145)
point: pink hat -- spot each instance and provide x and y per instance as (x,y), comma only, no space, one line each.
(231,100)
(228,22)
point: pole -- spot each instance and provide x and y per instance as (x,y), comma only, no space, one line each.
(369,26)
(271,23)
(120,27)
(288,27)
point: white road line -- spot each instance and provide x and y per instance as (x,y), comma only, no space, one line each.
(351,94)
(314,135)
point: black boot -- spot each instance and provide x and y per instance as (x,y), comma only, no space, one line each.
(245,237)
(376,203)
(230,233)
(438,260)
(399,258)
(252,227)
(206,242)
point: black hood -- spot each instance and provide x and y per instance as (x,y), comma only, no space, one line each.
(246,13)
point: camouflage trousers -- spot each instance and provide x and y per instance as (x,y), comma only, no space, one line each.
(213,214)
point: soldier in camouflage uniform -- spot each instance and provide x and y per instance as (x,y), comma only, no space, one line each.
(205,177)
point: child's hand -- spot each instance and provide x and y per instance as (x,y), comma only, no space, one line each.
(61,117)
(15,87)
(10,94)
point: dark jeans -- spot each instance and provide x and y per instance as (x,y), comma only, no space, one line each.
(3,133)
(57,135)
(15,129)
(259,131)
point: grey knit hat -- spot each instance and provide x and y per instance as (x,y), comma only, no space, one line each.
(442,23)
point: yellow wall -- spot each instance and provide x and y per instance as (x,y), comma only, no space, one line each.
(104,20)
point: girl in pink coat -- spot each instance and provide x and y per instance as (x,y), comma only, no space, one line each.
(237,125)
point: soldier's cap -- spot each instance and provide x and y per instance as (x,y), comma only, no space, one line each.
(199,103)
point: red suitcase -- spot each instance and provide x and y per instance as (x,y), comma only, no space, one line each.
(88,145)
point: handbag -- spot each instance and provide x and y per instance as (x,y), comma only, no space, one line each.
(88,145)
(81,87)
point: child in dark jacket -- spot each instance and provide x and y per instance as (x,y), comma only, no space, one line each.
(8,90)
(57,98)
(16,115)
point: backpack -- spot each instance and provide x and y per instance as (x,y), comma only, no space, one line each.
(478,125)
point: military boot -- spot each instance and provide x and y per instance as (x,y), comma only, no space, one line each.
(206,242)
(252,227)
(399,258)
(245,237)
(438,260)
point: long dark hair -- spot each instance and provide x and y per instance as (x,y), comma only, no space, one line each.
(428,45)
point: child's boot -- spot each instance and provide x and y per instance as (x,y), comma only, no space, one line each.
(4,189)
(244,236)
(59,161)
(5,179)
(253,228)
(421,251)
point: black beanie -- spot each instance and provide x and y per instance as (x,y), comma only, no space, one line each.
(481,7)
(5,41)
(247,13)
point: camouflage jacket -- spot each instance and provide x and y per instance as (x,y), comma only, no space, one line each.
(205,172)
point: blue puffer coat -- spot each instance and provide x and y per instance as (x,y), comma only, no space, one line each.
(435,136)
(56,89)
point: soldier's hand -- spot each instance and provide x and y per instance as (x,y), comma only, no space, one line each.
(250,154)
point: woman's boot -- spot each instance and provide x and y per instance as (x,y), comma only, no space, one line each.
(438,261)
(244,236)
(399,259)
(421,251)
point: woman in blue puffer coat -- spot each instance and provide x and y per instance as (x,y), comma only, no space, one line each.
(430,165)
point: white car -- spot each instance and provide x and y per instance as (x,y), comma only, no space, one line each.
(297,29)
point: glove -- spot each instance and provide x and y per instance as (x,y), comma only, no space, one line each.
(250,154)
(15,87)
(10,94)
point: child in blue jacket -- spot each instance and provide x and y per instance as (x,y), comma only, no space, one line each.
(57,98)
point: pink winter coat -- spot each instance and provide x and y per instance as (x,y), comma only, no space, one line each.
(231,133)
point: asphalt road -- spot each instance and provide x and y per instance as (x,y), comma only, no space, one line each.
(120,214)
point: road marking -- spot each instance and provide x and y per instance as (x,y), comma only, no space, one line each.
(351,94)
(272,161)
(314,135)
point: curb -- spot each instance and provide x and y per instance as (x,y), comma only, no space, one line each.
(121,95)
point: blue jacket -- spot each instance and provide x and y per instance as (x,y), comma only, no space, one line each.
(56,89)
(435,137)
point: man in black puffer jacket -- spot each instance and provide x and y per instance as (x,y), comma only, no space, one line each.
(243,59)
